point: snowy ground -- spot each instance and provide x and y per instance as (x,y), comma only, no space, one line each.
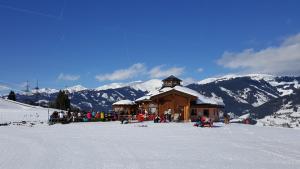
(112,145)
(11,111)
(173,146)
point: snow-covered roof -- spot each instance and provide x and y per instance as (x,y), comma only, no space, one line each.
(146,97)
(241,118)
(201,98)
(124,102)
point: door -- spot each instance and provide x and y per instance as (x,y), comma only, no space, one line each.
(181,112)
(206,112)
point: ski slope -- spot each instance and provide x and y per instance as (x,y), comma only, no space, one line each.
(11,111)
(110,145)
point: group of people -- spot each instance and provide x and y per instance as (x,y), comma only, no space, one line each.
(168,116)
(68,116)
(204,121)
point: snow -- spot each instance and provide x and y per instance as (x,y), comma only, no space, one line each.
(124,102)
(104,95)
(260,98)
(244,94)
(161,146)
(233,95)
(110,145)
(264,91)
(281,87)
(146,97)
(295,114)
(87,104)
(84,96)
(234,76)
(111,86)
(285,92)
(11,111)
(149,86)
(241,118)
(286,116)
(75,88)
(111,99)
(46,90)
(201,98)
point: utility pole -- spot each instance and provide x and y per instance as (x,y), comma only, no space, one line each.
(27,88)
(36,92)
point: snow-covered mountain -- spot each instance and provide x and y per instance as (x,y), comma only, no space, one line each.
(282,111)
(261,95)
(76,88)
(45,90)
(147,86)
(254,93)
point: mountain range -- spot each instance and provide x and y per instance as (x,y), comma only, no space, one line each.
(258,94)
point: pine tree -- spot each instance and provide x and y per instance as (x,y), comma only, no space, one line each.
(12,96)
(62,101)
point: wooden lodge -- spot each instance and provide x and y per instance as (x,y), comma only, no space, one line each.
(180,103)
(125,107)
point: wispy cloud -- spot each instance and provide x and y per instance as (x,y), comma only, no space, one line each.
(123,74)
(140,70)
(200,70)
(34,12)
(68,77)
(160,72)
(3,88)
(280,60)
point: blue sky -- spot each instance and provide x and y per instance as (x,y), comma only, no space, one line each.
(64,43)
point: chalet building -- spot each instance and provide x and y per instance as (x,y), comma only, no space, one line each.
(182,103)
(125,107)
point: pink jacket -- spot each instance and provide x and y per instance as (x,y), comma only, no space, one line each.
(89,115)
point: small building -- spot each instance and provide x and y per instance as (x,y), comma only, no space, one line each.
(179,102)
(124,107)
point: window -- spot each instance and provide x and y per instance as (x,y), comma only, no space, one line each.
(194,112)
(206,112)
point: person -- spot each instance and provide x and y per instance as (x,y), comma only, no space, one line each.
(140,117)
(156,118)
(89,116)
(54,117)
(146,115)
(226,118)
(61,116)
(97,116)
(198,123)
(162,119)
(176,117)
(121,119)
(204,121)
(79,116)
(94,114)
(102,116)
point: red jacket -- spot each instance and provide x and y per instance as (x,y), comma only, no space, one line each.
(89,115)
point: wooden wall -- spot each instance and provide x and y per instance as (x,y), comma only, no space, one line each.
(213,112)
(177,103)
